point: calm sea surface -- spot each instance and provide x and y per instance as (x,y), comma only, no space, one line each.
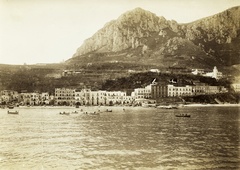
(41,138)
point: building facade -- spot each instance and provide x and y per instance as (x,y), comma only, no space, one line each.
(175,91)
(64,96)
(159,91)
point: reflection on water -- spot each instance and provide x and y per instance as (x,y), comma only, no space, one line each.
(146,138)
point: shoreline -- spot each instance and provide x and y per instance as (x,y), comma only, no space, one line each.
(208,105)
(124,107)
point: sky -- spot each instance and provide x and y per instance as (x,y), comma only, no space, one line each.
(50,31)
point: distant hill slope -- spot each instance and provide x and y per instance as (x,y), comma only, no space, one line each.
(139,36)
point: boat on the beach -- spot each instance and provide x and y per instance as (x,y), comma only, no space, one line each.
(109,110)
(75,112)
(183,115)
(13,112)
(167,107)
(148,104)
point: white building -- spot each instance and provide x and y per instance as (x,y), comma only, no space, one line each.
(215,74)
(115,97)
(142,93)
(45,98)
(174,91)
(34,99)
(64,96)
(98,98)
(5,99)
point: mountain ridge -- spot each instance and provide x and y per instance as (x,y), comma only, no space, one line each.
(144,35)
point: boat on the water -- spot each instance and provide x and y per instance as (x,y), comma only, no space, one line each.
(183,115)
(109,110)
(92,113)
(64,113)
(13,112)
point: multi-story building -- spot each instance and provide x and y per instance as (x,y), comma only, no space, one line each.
(199,88)
(64,96)
(34,99)
(45,98)
(175,91)
(79,97)
(212,89)
(5,99)
(25,98)
(142,93)
(115,97)
(98,98)
(9,96)
(159,91)
(86,96)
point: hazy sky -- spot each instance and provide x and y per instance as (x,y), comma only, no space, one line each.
(47,31)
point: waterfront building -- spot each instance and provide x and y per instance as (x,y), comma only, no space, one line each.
(199,88)
(5,99)
(115,97)
(34,99)
(127,100)
(79,97)
(175,91)
(212,89)
(64,96)
(25,98)
(159,91)
(9,96)
(45,98)
(98,98)
(86,96)
(142,93)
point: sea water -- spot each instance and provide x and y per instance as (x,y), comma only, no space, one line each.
(129,138)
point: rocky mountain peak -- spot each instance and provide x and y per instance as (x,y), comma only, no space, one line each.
(130,30)
(216,37)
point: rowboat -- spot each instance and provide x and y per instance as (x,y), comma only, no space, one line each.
(183,115)
(12,112)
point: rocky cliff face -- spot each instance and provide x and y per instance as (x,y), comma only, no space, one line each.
(130,30)
(212,37)
(221,28)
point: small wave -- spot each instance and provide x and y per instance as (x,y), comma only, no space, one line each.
(114,152)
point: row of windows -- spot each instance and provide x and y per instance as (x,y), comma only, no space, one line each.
(179,93)
(180,89)
(63,98)
(64,91)
(64,95)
